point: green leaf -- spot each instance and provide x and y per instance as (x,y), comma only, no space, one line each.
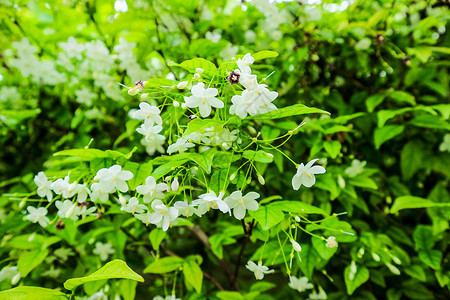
(114,269)
(127,289)
(359,277)
(364,182)
(30,260)
(293,110)
(297,207)
(401,97)
(197,125)
(204,159)
(140,173)
(310,259)
(423,237)
(259,156)
(431,258)
(386,133)
(164,265)
(167,167)
(156,236)
(192,273)
(373,101)
(333,148)
(14,117)
(411,159)
(90,154)
(31,293)
(264,54)
(321,248)
(428,121)
(228,295)
(209,69)
(268,216)
(408,202)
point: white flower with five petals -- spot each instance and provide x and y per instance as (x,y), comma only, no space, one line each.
(211,200)
(151,190)
(245,63)
(240,204)
(258,269)
(43,185)
(133,206)
(180,146)
(148,113)
(305,174)
(113,178)
(300,284)
(204,99)
(38,215)
(163,215)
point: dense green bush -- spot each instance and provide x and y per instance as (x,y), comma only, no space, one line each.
(362,86)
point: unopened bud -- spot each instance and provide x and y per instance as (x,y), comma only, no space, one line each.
(176,103)
(133,91)
(184,106)
(296,245)
(297,219)
(196,76)
(249,180)
(175,185)
(31,237)
(232,177)
(261,179)
(182,85)
(269,155)
(376,257)
(199,70)
(70,212)
(144,96)
(15,279)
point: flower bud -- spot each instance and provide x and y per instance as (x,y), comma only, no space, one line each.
(297,219)
(261,179)
(15,279)
(133,91)
(176,103)
(183,106)
(182,85)
(196,76)
(175,185)
(144,96)
(269,155)
(296,245)
(232,177)
(375,256)
(199,70)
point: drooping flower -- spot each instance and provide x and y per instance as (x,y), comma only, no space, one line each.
(43,185)
(300,284)
(179,146)
(154,144)
(258,269)
(150,114)
(103,250)
(211,200)
(184,208)
(67,209)
(245,63)
(204,99)
(133,206)
(253,101)
(296,245)
(240,204)
(97,193)
(38,215)
(151,190)
(163,215)
(150,131)
(112,178)
(64,188)
(305,174)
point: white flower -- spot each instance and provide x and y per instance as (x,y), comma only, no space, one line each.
(305,175)
(112,178)
(296,245)
(163,215)
(356,168)
(103,250)
(214,36)
(258,269)
(321,295)
(180,146)
(253,101)
(331,242)
(211,200)
(445,145)
(300,284)
(204,99)
(64,188)
(11,273)
(184,208)
(84,211)
(175,185)
(151,190)
(182,85)
(133,206)
(150,132)
(154,144)
(240,203)
(97,193)
(43,185)
(245,62)
(72,48)
(38,215)
(148,113)
(67,209)
(82,192)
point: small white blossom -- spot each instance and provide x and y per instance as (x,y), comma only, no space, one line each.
(356,168)
(112,178)
(67,209)
(305,175)
(133,206)
(10,272)
(150,132)
(85,96)
(150,114)
(182,85)
(300,284)
(64,188)
(154,144)
(331,242)
(211,200)
(296,245)
(151,190)
(184,208)
(43,185)
(180,146)
(38,215)
(175,185)
(240,204)
(245,63)
(84,211)
(163,215)
(97,193)
(204,99)
(253,101)
(103,250)
(258,269)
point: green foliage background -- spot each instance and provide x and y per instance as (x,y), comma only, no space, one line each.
(379,67)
